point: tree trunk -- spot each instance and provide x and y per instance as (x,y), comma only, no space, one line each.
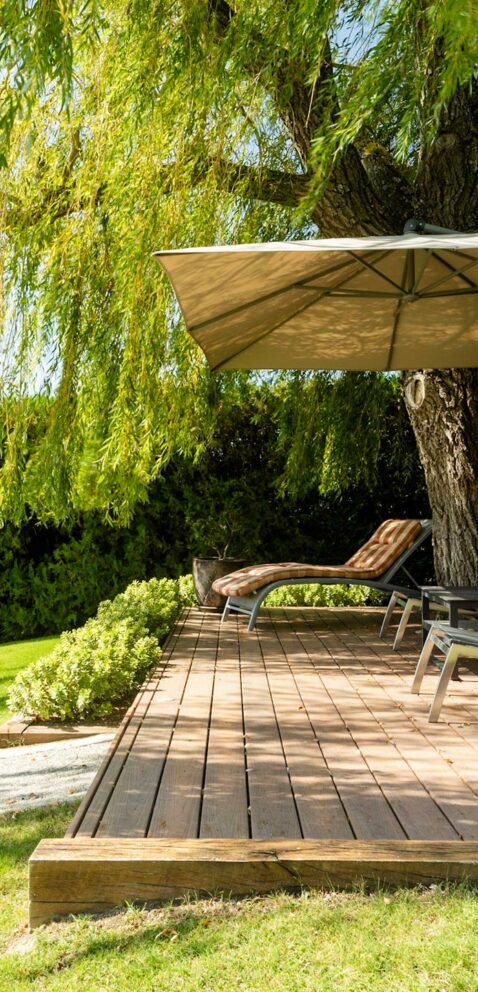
(443,409)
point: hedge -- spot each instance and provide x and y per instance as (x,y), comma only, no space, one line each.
(96,668)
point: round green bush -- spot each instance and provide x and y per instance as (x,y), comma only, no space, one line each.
(88,673)
(97,667)
(155,604)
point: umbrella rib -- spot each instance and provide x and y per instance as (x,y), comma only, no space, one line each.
(451,272)
(320,295)
(466,291)
(377,272)
(418,276)
(396,319)
(408,277)
(357,294)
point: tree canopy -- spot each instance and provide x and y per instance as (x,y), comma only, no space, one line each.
(146,124)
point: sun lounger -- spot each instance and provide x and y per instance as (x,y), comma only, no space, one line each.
(375,565)
(455,643)
(407,604)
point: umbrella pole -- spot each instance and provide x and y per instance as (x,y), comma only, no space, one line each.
(416,226)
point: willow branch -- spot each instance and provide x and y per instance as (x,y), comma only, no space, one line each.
(362,195)
(269,185)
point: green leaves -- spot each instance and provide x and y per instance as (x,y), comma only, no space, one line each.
(94,669)
(132,126)
(40,42)
(333,428)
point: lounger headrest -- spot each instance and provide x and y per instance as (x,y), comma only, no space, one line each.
(396,531)
(388,542)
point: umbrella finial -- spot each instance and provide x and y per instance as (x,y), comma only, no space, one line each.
(414,226)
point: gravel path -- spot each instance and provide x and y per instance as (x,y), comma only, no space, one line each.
(40,774)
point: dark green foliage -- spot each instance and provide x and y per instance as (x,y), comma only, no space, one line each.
(261,471)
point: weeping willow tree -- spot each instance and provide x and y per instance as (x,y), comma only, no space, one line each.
(131,126)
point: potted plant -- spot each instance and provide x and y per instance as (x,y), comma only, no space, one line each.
(221,538)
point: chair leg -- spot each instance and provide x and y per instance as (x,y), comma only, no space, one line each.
(254,613)
(388,614)
(446,674)
(423,660)
(252,621)
(407,609)
(226,611)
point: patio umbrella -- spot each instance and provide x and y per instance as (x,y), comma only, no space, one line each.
(350,303)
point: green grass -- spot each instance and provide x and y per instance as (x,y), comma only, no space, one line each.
(403,941)
(14,657)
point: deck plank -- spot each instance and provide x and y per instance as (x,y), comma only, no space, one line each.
(224,810)
(176,811)
(129,809)
(320,809)
(368,811)
(411,802)
(272,806)
(405,717)
(102,789)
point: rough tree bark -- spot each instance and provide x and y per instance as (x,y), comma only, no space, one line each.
(443,409)
(443,404)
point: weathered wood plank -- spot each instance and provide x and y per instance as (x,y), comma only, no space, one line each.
(74,875)
(177,808)
(320,810)
(273,809)
(368,811)
(350,688)
(224,810)
(86,820)
(423,747)
(89,813)
(129,809)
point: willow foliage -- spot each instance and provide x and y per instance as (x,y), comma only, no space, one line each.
(142,124)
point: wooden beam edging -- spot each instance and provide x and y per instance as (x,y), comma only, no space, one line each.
(74,875)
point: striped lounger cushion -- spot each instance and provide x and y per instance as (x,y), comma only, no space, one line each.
(374,558)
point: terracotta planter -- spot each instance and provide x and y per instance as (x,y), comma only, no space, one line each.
(205,572)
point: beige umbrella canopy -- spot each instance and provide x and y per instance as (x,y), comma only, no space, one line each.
(349,303)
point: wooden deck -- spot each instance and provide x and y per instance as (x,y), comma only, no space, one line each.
(291,755)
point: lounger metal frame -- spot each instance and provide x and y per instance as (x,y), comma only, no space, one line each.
(455,643)
(250,605)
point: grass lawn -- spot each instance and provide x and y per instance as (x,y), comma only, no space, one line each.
(14,657)
(405,941)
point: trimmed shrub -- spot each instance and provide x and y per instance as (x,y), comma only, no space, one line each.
(97,667)
(89,673)
(186,591)
(154,604)
(318,595)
